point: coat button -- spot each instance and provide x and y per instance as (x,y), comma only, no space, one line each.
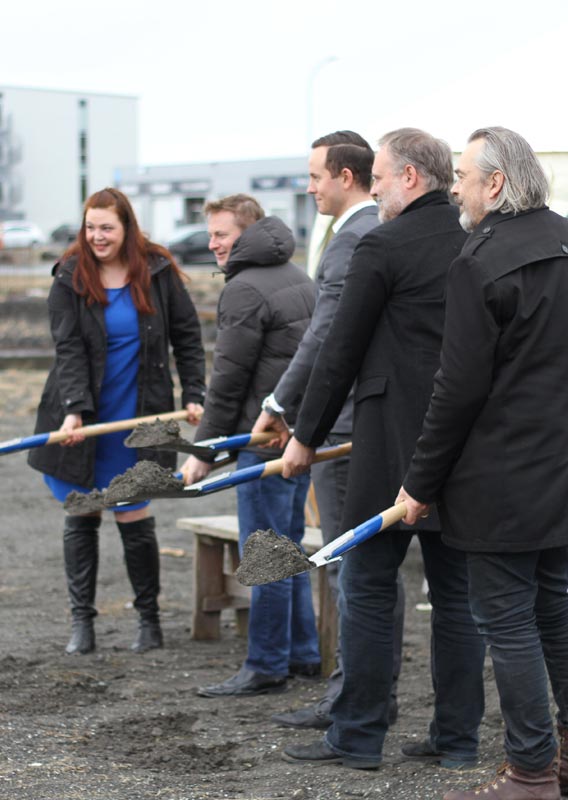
(487,229)
(565,248)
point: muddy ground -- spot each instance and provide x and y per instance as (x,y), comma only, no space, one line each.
(118,725)
(115,725)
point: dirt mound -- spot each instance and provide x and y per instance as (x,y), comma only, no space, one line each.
(268,557)
(150,742)
(144,480)
(150,434)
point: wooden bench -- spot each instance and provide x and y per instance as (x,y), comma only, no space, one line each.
(215,559)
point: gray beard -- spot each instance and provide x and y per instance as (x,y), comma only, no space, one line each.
(466,222)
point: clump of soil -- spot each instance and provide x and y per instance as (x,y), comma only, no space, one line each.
(268,557)
(156,741)
(81,503)
(151,434)
(143,481)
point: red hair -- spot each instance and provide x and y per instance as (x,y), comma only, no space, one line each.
(136,251)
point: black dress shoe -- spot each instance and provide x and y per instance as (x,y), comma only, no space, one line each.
(423,751)
(245,682)
(311,669)
(321,753)
(318,717)
(307,717)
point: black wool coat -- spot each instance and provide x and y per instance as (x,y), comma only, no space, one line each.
(386,335)
(494,447)
(74,382)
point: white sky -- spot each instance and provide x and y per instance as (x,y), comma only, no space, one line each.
(222,79)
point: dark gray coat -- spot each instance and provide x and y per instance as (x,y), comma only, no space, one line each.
(74,382)
(386,334)
(330,278)
(262,314)
(494,446)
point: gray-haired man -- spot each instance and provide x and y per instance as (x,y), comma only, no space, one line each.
(494,447)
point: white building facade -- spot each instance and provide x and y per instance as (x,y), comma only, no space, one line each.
(58,147)
(166,197)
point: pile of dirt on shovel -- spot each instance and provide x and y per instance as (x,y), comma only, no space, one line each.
(150,434)
(82,503)
(268,557)
(144,479)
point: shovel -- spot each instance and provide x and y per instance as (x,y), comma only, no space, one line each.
(40,439)
(206,450)
(229,479)
(268,557)
(97,500)
(275,467)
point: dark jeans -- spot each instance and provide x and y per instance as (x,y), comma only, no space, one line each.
(520,604)
(330,483)
(367,601)
(282,624)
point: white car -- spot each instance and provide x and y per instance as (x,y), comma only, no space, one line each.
(19,233)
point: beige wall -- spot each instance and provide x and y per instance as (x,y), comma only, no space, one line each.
(556,168)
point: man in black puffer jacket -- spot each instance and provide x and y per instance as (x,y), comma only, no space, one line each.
(262,315)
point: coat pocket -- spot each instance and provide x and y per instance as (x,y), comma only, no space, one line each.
(370,387)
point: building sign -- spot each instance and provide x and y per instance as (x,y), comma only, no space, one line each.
(272,182)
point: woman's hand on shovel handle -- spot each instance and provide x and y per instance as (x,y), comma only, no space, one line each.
(416,511)
(297,458)
(70,424)
(194,413)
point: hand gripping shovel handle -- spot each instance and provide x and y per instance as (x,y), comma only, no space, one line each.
(349,539)
(275,467)
(40,439)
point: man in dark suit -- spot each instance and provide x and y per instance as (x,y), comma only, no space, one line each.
(340,181)
(494,447)
(386,334)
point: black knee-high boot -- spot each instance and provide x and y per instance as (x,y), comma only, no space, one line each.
(143,566)
(81,555)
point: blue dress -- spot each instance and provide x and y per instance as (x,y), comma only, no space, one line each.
(118,396)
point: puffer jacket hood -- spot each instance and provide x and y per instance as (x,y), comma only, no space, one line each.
(267,243)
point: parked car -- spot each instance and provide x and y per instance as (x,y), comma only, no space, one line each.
(19,233)
(190,245)
(65,233)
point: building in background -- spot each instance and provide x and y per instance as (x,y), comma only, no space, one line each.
(167,197)
(57,147)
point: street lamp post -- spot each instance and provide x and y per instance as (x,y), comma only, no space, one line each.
(310,96)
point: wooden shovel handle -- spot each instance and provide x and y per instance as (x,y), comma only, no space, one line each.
(393,514)
(275,467)
(118,425)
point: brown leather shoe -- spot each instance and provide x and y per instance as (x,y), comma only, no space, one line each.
(512,783)
(563,760)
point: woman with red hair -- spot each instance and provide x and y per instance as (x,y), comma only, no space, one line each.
(116,304)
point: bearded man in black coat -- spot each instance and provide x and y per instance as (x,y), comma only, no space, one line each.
(386,335)
(494,447)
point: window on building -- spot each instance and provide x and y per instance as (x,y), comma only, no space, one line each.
(83,150)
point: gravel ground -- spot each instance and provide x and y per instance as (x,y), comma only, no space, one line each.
(118,725)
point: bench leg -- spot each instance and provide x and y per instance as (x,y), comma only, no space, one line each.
(207,580)
(327,624)
(242,614)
